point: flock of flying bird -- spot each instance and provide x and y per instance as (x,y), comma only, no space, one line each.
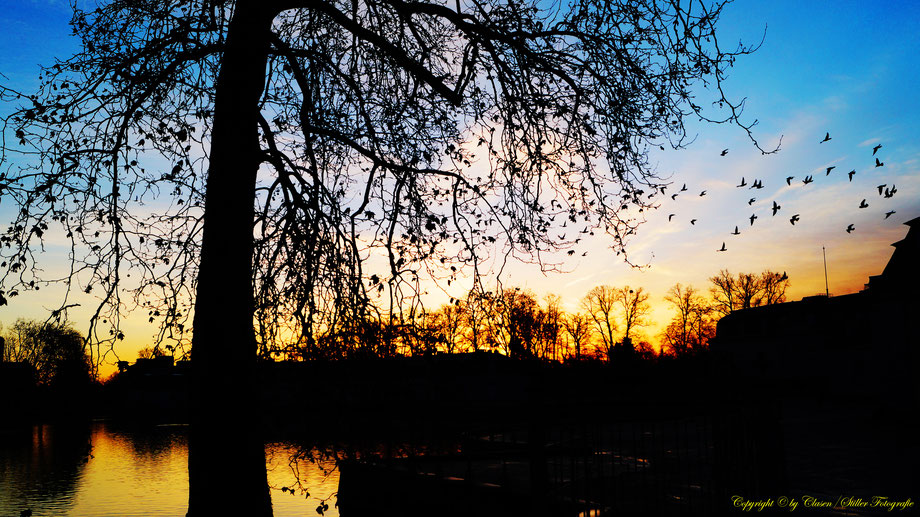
(883,190)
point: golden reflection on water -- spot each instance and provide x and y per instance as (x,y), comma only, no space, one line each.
(134,473)
(301,479)
(139,472)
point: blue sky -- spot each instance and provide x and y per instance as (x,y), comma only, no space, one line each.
(848,68)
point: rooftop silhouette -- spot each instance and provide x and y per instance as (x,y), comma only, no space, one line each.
(859,342)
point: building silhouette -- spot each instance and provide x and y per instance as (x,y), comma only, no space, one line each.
(862,345)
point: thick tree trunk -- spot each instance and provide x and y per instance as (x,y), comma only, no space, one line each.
(226,454)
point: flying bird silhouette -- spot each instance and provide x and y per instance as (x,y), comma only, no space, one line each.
(850,228)
(807,180)
(673,196)
(827,136)
(876,148)
(889,214)
(881,187)
(684,188)
(878,163)
(670,216)
(692,221)
(736,232)
(724,152)
(793,219)
(851,174)
(703,193)
(789,180)
(743,183)
(757,184)
(775,208)
(890,193)
(863,204)
(723,247)
(829,169)
(753,216)
(751,201)
(784,277)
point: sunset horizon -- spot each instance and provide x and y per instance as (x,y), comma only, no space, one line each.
(480,257)
(858,114)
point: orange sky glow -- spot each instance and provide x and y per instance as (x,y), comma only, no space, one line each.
(825,70)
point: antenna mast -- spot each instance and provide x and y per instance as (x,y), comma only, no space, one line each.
(827,291)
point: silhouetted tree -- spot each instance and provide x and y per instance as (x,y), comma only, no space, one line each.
(634,308)
(367,337)
(249,156)
(600,305)
(422,333)
(150,352)
(745,290)
(578,333)
(55,350)
(449,323)
(550,332)
(692,326)
(516,322)
(773,287)
(645,350)
(475,319)
(723,292)
(747,287)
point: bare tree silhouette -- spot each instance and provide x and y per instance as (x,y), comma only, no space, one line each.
(600,305)
(449,322)
(287,161)
(634,308)
(693,324)
(475,318)
(516,322)
(745,290)
(578,333)
(549,337)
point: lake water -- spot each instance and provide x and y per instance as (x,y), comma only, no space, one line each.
(105,469)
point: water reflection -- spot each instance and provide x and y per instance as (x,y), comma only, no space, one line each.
(302,478)
(103,469)
(142,472)
(41,466)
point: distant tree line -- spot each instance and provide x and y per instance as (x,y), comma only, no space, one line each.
(609,321)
